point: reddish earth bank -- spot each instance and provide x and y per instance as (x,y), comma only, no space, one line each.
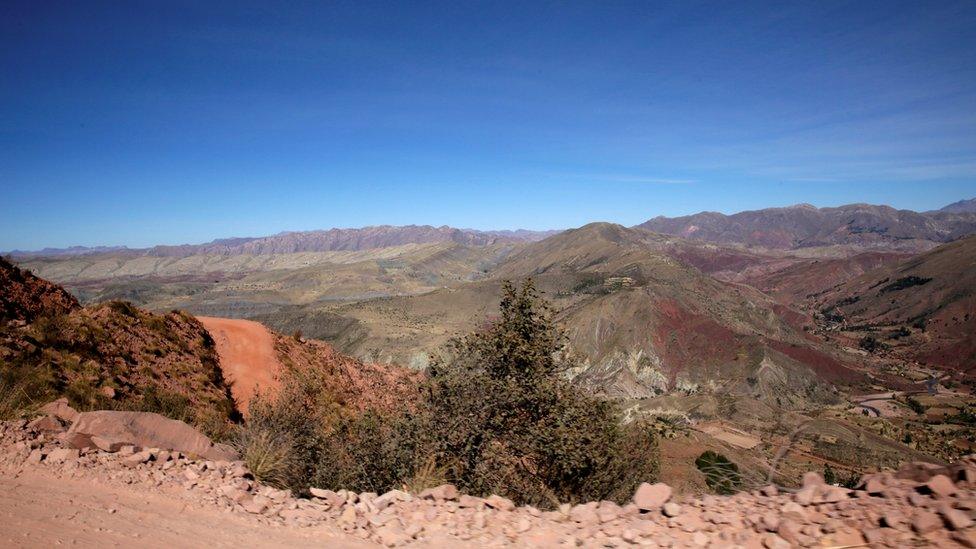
(247,357)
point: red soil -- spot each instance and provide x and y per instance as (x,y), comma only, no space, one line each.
(247,357)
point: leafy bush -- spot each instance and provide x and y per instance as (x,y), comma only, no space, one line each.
(721,475)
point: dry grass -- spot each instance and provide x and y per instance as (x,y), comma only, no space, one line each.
(427,475)
(268,454)
(15,402)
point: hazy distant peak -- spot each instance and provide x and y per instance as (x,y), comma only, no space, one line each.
(963,206)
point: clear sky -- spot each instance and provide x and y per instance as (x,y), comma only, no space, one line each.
(167,122)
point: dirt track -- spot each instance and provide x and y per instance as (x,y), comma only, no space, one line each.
(247,356)
(38,509)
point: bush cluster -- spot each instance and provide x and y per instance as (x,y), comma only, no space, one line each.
(497,416)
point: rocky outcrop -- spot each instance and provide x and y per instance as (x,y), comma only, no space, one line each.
(25,297)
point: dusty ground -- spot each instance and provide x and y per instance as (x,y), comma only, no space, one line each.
(247,356)
(38,509)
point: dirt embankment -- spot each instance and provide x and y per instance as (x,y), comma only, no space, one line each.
(247,357)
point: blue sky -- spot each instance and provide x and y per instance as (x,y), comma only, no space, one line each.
(143,123)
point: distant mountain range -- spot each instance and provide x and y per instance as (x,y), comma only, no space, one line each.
(366,238)
(862,226)
(804,226)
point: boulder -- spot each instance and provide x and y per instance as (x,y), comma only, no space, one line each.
(651,497)
(149,430)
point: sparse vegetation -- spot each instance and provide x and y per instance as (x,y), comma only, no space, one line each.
(870,344)
(915,405)
(496,417)
(905,282)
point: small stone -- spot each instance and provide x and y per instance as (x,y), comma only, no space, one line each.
(651,497)
(500,503)
(769,491)
(137,458)
(671,509)
(470,502)
(954,518)
(772,541)
(805,495)
(106,444)
(444,492)
(789,530)
(47,424)
(940,486)
(875,486)
(893,519)
(924,522)
(62,455)
(966,539)
(256,505)
(584,514)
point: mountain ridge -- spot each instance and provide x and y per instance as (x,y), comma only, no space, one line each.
(799,226)
(323,240)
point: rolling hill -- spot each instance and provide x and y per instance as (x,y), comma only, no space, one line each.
(922,309)
(643,322)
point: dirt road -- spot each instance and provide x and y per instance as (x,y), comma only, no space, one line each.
(247,356)
(38,509)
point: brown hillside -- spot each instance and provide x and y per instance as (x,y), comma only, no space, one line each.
(26,297)
(642,321)
(923,308)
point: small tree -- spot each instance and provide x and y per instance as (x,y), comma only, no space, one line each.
(504,419)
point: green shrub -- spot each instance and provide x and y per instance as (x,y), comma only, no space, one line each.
(501,415)
(721,475)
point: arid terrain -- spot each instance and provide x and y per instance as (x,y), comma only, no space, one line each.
(842,356)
